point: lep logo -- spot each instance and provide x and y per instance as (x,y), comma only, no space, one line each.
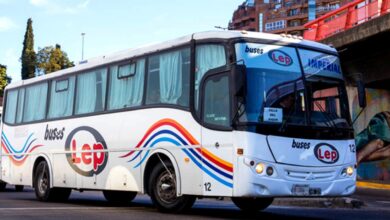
(326,153)
(86,149)
(281,58)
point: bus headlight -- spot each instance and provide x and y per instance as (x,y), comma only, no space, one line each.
(259,168)
(348,171)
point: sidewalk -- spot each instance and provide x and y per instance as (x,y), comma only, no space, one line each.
(367,195)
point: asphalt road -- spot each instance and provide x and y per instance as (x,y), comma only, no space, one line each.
(92,205)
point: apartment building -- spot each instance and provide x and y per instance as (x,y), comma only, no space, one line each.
(280,16)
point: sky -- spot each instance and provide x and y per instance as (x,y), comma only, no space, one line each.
(109,25)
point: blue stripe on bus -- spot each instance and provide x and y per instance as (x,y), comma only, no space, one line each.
(12,149)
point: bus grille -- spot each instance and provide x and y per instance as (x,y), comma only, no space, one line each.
(310,175)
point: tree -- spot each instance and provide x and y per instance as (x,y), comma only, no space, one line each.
(3,79)
(28,54)
(51,59)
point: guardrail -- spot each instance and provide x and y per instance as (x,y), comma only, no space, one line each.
(344,18)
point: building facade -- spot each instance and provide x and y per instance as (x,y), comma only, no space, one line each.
(280,16)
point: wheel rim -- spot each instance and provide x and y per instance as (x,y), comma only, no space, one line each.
(43,182)
(166,187)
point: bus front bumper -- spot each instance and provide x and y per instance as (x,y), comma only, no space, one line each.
(295,181)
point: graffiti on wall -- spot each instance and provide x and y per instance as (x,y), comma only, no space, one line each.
(372,130)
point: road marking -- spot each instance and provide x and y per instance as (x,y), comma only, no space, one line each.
(383,202)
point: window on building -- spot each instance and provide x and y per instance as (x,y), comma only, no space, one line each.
(276,25)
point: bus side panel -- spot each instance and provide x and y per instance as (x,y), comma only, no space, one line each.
(171,132)
(217,152)
(19,145)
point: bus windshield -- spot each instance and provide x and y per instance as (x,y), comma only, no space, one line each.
(287,87)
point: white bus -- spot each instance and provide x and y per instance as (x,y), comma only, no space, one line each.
(250,116)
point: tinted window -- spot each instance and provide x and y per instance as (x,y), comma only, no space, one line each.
(91,91)
(216,110)
(10,111)
(35,102)
(209,56)
(61,97)
(168,78)
(19,114)
(126,91)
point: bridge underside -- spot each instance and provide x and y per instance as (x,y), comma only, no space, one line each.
(365,49)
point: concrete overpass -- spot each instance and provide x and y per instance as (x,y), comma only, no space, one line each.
(366,49)
(360,31)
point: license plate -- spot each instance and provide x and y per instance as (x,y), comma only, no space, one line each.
(300,190)
(305,190)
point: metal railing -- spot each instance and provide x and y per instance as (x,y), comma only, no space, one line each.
(344,18)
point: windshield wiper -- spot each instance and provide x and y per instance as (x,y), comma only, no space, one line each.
(327,117)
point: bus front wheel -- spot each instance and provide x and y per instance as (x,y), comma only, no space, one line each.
(42,188)
(119,196)
(163,190)
(252,204)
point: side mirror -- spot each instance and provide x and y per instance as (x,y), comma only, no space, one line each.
(239,80)
(361,94)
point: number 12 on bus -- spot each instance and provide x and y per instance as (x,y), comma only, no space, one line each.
(250,116)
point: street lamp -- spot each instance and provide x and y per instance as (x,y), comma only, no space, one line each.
(222,28)
(82,46)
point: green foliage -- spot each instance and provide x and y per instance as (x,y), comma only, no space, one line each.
(28,54)
(51,59)
(3,79)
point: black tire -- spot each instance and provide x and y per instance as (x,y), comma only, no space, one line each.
(119,196)
(2,186)
(19,188)
(43,192)
(252,204)
(162,190)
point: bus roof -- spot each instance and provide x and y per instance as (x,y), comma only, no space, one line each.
(145,49)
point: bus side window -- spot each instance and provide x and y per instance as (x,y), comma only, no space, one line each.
(91,91)
(10,108)
(126,85)
(216,102)
(19,113)
(35,102)
(61,97)
(168,78)
(208,56)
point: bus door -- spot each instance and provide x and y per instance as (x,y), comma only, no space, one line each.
(217,139)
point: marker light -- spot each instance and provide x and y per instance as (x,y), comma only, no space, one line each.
(349,171)
(259,168)
(270,171)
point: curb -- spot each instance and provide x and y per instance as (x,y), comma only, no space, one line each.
(333,202)
(371,185)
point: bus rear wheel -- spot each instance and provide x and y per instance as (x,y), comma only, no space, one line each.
(2,185)
(252,204)
(42,188)
(119,196)
(19,188)
(163,190)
